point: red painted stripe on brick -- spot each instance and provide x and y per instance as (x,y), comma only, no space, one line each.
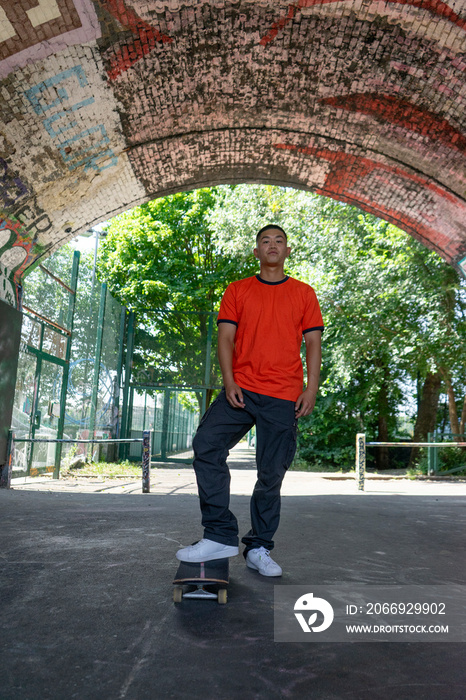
(348,169)
(394,110)
(146,38)
(435,7)
(359,166)
(427,235)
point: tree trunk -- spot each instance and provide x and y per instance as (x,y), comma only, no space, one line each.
(463,417)
(382,458)
(427,413)
(453,413)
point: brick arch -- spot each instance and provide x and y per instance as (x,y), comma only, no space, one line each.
(106,104)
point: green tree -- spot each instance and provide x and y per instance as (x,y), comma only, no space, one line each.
(163,261)
(394,311)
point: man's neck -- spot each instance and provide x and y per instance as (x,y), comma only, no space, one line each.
(272,274)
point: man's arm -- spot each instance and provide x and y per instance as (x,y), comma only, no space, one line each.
(226,344)
(306,402)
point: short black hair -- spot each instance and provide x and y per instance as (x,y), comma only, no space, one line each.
(270,226)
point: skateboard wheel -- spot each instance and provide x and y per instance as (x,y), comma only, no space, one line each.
(222,596)
(177,594)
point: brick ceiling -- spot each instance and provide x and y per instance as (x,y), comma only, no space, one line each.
(107,104)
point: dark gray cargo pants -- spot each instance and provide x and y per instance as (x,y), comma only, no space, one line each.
(220,429)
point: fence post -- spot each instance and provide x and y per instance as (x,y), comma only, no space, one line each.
(165,424)
(5,470)
(66,368)
(97,362)
(431,455)
(360,460)
(128,368)
(146,451)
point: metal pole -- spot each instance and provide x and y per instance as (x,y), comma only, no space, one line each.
(436,451)
(207,363)
(97,358)
(208,350)
(5,470)
(146,451)
(360,460)
(66,368)
(128,366)
(430,454)
(154,444)
(129,422)
(145,409)
(117,429)
(35,401)
(165,419)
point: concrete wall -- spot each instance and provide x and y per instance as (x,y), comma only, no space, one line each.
(106,104)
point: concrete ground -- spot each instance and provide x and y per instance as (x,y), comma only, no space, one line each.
(86,592)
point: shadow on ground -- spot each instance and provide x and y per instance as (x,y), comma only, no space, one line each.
(87,610)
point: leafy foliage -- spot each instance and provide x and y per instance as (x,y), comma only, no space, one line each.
(162,261)
(394,311)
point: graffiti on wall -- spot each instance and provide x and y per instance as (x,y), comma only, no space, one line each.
(19,231)
(21,27)
(7,287)
(54,101)
(19,247)
(146,36)
(12,188)
(33,30)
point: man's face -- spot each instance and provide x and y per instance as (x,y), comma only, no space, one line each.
(272,248)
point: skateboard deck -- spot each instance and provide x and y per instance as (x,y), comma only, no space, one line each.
(203,580)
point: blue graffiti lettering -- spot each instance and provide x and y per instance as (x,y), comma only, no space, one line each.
(73,147)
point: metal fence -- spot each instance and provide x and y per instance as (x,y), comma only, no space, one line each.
(432,446)
(69,368)
(145,440)
(87,370)
(172,424)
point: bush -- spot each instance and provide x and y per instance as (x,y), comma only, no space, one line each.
(448,458)
(326,439)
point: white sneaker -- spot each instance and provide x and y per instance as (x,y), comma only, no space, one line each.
(260,560)
(206,550)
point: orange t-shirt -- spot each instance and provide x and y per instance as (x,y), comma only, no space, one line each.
(271,318)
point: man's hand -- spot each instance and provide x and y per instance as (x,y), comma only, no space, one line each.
(305,403)
(234,395)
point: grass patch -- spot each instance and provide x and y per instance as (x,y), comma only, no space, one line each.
(302,465)
(104,470)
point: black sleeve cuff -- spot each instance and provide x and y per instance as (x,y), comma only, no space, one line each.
(226,320)
(316,328)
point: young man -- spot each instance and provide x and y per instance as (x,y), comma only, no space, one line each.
(261,324)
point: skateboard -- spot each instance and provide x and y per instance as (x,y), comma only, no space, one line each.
(206,580)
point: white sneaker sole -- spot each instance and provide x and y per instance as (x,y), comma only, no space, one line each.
(225,554)
(262,573)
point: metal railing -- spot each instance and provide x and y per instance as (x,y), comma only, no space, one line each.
(146,440)
(361,445)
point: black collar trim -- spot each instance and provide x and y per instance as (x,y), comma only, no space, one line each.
(259,279)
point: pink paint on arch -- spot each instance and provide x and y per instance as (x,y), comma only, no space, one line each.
(88,32)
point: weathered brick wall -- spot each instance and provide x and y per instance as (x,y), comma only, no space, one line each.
(110,103)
